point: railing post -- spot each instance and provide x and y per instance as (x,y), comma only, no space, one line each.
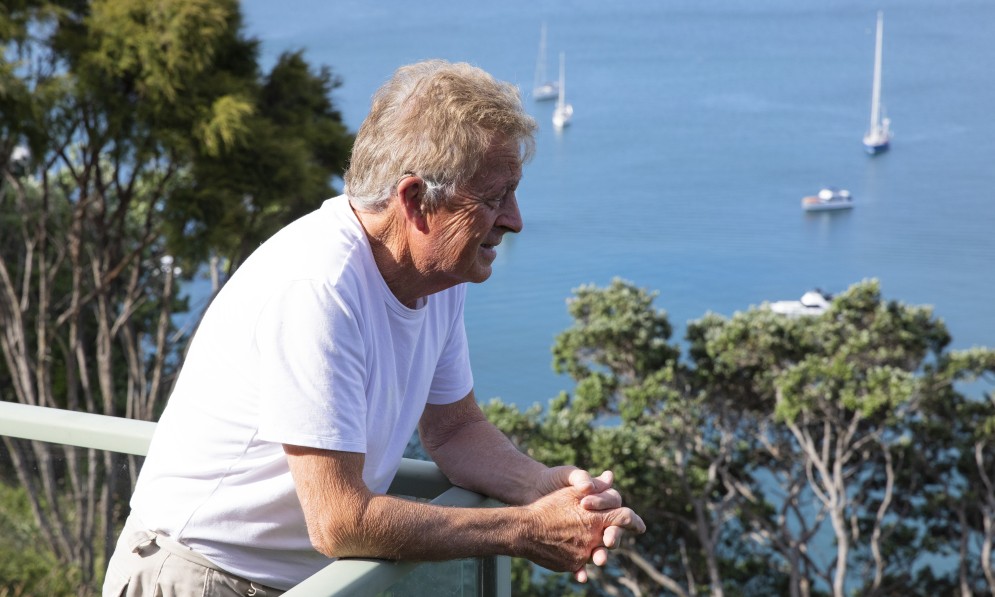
(495,577)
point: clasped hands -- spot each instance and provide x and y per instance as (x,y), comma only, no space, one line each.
(579,518)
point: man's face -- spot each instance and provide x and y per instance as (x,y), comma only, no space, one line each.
(463,235)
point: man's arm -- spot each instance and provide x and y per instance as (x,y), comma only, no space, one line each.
(344,518)
(477,456)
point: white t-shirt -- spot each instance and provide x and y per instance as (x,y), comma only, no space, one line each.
(305,345)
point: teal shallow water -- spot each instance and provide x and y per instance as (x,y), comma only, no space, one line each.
(698,127)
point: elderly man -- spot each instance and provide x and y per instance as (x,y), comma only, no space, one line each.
(335,340)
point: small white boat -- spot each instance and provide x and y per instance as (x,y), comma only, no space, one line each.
(878,135)
(543,89)
(813,302)
(828,199)
(564,111)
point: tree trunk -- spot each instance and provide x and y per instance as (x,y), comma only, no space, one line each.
(655,575)
(963,579)
(987,507)
(879,520)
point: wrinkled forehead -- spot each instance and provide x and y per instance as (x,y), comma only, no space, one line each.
(502,158)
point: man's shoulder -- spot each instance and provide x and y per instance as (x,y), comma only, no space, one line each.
(320,245)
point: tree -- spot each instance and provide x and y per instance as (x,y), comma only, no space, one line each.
(782,455)
(955,468)
(835,392)
(129,133)
(294,141)
(636,410)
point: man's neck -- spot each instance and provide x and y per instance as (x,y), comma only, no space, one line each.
(388,238)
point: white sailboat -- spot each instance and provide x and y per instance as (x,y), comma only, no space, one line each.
(543,89)
(878,136)
(564,111)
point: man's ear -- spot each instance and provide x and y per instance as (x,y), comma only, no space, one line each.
(411,191)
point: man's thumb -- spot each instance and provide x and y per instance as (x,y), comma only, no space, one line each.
(581,481)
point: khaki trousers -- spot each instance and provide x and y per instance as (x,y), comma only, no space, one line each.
(146,564)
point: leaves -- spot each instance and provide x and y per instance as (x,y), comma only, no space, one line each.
(159,46)
(156,144)
(226,124)
(777,436)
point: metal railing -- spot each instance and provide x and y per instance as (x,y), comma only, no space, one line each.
(352,577)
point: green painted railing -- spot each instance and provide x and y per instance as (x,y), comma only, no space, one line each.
(352,577)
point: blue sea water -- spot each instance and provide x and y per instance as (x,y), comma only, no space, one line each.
(698,126)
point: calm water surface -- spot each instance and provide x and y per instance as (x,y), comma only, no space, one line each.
(698,126)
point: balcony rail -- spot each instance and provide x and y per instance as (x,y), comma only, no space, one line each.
(353,577)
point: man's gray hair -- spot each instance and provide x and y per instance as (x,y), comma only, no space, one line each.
(436,120)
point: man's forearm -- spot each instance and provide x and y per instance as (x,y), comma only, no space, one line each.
(398,529)
(344,518)
(480,458)
(555,531)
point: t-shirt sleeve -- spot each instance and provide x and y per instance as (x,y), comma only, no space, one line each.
(311,370)
(453,377)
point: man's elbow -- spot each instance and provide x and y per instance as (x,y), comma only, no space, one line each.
(357,534)
(335,541)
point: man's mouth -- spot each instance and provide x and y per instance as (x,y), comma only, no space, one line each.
(489,249)
(490,245)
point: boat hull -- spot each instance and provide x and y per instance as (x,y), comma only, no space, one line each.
(543,93)
(826,206)
(562,116)
(875,148)
(828,199)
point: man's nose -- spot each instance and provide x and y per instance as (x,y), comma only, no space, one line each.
(511,217)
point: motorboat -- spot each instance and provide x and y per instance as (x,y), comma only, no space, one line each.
(813,302)
(828,199)
(878,135)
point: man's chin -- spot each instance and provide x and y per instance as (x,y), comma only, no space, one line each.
(480,274)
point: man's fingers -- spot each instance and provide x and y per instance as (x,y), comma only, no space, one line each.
(600,556)
(613,536)
(603,481)
(605,500)
(626,519)
(603,497)
(581,575)
(581,480)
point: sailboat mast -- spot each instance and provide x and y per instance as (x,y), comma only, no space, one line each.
(541,60)
(876,89)
(561,99)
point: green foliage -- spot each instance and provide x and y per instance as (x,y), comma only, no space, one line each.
(225,126)
(156,144)
(26,568)
(159,45)
(615,329)
(527,582)
(276,165)
(737,457)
